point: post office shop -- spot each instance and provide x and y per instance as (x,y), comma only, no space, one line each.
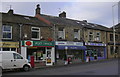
(43,51)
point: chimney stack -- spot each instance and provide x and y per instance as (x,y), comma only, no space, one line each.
(63,14)
(85,21)
(38,9)
(10,12)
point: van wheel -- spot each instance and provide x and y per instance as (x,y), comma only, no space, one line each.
(26,68)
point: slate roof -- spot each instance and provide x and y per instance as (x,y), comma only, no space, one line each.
(15,18)
(70,22)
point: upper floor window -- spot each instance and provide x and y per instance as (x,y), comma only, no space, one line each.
(61,33)
(111,37)
(77,34)
(97,38)
(116,37)
(90,36)
(7,32)
(35,33)
(111,50)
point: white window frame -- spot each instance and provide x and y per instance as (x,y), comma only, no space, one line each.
(78,34)
(89,36)
(6,31)
(63,33)
(98,36)
(35,31)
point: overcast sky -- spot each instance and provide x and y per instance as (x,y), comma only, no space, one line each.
(93,12)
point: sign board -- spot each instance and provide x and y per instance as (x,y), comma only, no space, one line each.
(95,44)
(69,43)
(9,44)
(48,57)
(37,43)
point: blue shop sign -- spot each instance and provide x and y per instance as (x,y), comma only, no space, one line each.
(96,44)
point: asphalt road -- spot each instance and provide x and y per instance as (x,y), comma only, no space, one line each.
(98,68)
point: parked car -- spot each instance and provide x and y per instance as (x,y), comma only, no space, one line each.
(13,60)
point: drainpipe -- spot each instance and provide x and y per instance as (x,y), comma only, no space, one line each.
(20,37)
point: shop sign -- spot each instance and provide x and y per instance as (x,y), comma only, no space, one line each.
(9,44)
(96,44)
(37,43)
(69,43)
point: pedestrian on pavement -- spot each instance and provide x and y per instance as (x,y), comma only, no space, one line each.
(65,59)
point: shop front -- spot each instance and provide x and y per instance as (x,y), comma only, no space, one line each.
(9,46)
(75,50)
(42,51)
(96,51)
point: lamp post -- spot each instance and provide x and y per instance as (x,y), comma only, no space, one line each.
(66,48)
(113,28)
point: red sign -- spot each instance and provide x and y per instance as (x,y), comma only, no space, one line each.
(28,43)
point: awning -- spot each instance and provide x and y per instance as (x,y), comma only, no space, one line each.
(62,47)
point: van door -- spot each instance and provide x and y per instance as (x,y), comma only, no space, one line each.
(18,60)
(7,60)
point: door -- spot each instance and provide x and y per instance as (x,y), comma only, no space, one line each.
(18,60)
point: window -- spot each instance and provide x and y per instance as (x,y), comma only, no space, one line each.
(97,36)
(35,33)
(90,36)
(111,49)
(7,32)
(116,50)
(61,33)
(17,56)
(116,37)
(6,49)
(13,49)
(77,34)
(111,37)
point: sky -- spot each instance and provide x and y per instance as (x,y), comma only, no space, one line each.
(98,12)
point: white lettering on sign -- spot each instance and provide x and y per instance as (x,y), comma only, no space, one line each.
(69,43)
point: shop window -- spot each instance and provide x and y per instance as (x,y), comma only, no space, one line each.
(6,49)
(97,36)
(77,34)
(90,36)
(7,32)
(116,50)
(111,49)
(111,37)
(61,33)
(35,33)
(13,49)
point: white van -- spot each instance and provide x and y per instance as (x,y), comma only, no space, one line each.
(13,60)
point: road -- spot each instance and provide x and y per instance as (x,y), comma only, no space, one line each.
(96,68)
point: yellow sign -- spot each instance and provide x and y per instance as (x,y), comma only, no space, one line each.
(9,44)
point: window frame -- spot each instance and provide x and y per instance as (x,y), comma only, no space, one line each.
(98,36)
(63,31)
(89,36)
(39,34)
(77,32)
(6,31)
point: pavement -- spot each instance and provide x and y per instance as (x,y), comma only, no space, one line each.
(73,63)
